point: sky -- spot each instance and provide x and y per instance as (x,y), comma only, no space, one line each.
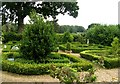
(92,11)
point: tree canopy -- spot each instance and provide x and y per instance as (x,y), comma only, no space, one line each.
(17,11)
(103,34)
(71,29)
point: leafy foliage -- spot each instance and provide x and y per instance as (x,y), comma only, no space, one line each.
(29,67)
(68,75)
(71,29)
(17,11)
(38,39)
(67,37)
(103,34)
(11,36)
(68,46)
(115,46)
(106,61)
(65,74)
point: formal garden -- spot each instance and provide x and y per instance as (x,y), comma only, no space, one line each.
(36,50)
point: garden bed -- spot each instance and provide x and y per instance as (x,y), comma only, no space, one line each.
(76,47)
(30,68)
(108,62)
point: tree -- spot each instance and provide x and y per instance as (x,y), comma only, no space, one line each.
(67,37)
(17,11)
(103,34)
(92,25)
(71,29)
(38,39)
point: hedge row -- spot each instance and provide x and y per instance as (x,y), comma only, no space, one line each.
(78,50)
(108,62)
(62,47)
(34,69)
(11,36)
(73,58)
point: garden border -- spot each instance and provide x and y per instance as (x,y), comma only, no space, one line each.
(36,69)
(108,62)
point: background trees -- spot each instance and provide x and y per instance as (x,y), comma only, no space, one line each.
(103,34)
(17,11)
(71,29)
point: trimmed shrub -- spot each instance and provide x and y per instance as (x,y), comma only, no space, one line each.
(108,62)
(30,69)
(62,47)
(11,36)
(38,39)
(78,50)
(68,46)
(34,69)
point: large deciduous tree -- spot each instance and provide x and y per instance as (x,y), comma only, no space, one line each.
(17,11)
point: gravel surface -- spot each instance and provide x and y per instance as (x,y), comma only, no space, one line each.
(103,75)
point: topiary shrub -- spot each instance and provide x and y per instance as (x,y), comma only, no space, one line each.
(38,39)
(68,46)
(115,46)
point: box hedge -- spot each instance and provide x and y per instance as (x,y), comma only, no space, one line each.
(108,62)
(34,69)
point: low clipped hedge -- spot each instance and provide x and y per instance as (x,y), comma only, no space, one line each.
(77,47)
(62,47)
(108,62)
(78,50)
(35,69)
(11,36)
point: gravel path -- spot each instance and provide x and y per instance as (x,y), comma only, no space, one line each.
(103,75)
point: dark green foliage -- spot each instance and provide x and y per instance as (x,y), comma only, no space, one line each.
(19,10)
(68,46)
(71,29)
(77,47)
(108,62)
(38,39)
(29,67)
(67,37)
(93,25)
(103,34)
(62,47)
(73,58)
(79,38)
(115,46)
(11,36)
(59,38)
(111,63)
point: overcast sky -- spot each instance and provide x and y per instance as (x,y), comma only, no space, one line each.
(92,11)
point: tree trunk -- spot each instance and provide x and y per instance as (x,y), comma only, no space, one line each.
(20,18)
(20,23)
